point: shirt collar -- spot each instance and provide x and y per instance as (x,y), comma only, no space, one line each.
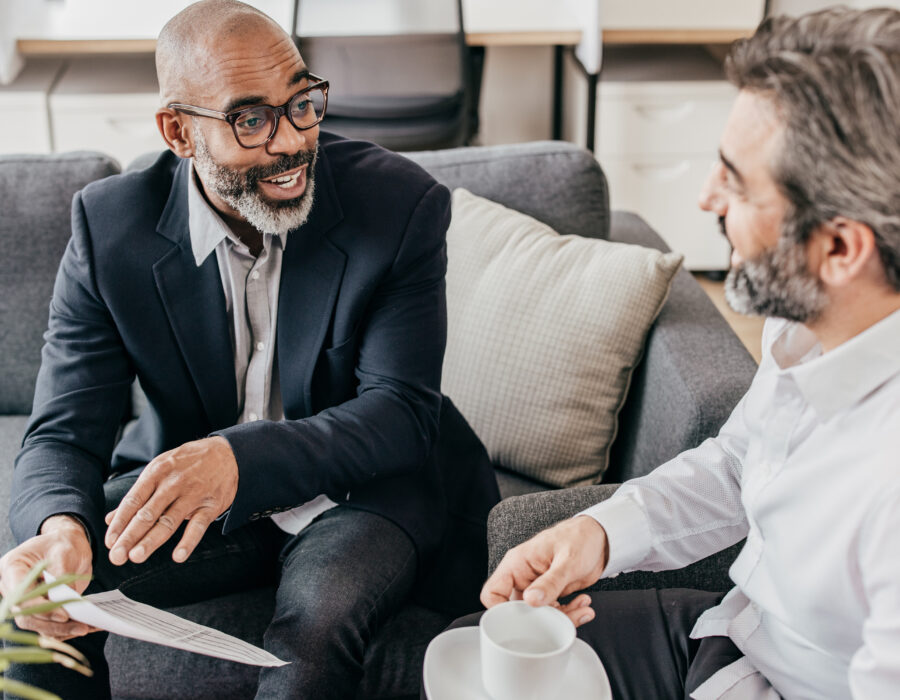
(840,378)
(206,226)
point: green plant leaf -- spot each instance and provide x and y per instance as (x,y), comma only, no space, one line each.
(19,591)
(38,609)
(44,588)
(27,655)
(23,690)
(32,655)
(34,639)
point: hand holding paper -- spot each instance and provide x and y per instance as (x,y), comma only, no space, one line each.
(114,612)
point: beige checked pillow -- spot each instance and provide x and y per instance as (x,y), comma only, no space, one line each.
(544,332)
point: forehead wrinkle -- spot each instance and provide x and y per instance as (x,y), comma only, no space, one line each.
(254,74)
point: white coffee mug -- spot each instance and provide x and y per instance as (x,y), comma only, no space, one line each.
(524,651)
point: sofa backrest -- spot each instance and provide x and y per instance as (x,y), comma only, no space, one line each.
(555,182)
(35,224)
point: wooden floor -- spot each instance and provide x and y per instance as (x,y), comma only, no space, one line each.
(747,328)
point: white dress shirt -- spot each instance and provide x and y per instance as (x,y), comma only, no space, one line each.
(808,469)
(250,285)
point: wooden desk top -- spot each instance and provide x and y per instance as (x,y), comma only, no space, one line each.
(67,47)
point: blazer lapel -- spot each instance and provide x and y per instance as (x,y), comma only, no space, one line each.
(195,304)
(311,273)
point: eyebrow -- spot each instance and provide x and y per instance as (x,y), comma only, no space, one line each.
(251,100)
(732,168)
(299,76)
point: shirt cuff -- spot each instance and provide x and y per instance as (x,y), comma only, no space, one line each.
(627,533)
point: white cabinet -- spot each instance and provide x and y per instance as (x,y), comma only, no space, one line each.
(660,112)
(680,14)
(23,104)
(107,104)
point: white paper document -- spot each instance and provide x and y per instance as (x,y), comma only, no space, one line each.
(115,612)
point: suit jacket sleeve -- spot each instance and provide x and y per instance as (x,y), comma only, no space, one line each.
(81,395)
(389,428)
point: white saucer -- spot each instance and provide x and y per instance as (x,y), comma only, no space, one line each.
(453,670)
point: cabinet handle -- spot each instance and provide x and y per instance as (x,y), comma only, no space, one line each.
(665,113)
(662,172)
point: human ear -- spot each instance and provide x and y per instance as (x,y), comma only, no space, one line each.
(845,248)
(175,131)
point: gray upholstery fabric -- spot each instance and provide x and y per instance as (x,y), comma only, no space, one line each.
(695,370)
(553,181)
(12,428)
(516,519)
(36,192)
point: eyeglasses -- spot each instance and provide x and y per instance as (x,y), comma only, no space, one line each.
(255,126)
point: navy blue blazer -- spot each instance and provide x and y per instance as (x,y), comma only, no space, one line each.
(360,342)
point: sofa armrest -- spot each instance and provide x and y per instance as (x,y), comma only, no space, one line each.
(518,518)
(694,371)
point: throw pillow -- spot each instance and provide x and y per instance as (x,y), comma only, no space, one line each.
(544,332)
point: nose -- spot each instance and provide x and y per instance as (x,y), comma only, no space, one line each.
(289,140)
(712,198)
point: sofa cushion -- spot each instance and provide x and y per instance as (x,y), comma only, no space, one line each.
(543,334)
(36,191)
(12,429)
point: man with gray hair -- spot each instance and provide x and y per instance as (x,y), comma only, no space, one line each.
(807,190)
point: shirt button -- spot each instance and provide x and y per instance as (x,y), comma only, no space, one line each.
(260,346)
(253,417)
(254,275)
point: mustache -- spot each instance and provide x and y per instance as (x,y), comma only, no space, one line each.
(283,164)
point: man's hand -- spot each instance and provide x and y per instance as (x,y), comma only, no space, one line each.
(196,482)
(558,561)
(64,545)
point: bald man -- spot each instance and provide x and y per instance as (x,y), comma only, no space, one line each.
(279,294)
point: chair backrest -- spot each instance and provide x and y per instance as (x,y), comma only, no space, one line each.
(36,192)
(397,68)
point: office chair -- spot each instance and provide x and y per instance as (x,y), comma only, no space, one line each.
(400,70)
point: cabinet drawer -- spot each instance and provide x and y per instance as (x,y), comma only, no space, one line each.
(664,191)
(661,119)
(109,106)
(124,128)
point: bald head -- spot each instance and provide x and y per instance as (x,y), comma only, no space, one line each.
(186,50)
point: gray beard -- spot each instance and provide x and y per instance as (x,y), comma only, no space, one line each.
(241,190)
(776,283)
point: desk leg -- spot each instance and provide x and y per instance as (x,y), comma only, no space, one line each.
(558,56)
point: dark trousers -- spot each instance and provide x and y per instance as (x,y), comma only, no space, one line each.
(337,581)
(643,639)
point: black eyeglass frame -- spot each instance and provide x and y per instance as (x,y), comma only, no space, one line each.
(282,110)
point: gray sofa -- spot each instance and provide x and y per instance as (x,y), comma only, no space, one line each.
(693,372)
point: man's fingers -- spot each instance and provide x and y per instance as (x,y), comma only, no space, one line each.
(193,533)
(58,615)
(134,500)
(579,609)
(138,528)
(165,526)
(497,589)
(547,587)
(57,630)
